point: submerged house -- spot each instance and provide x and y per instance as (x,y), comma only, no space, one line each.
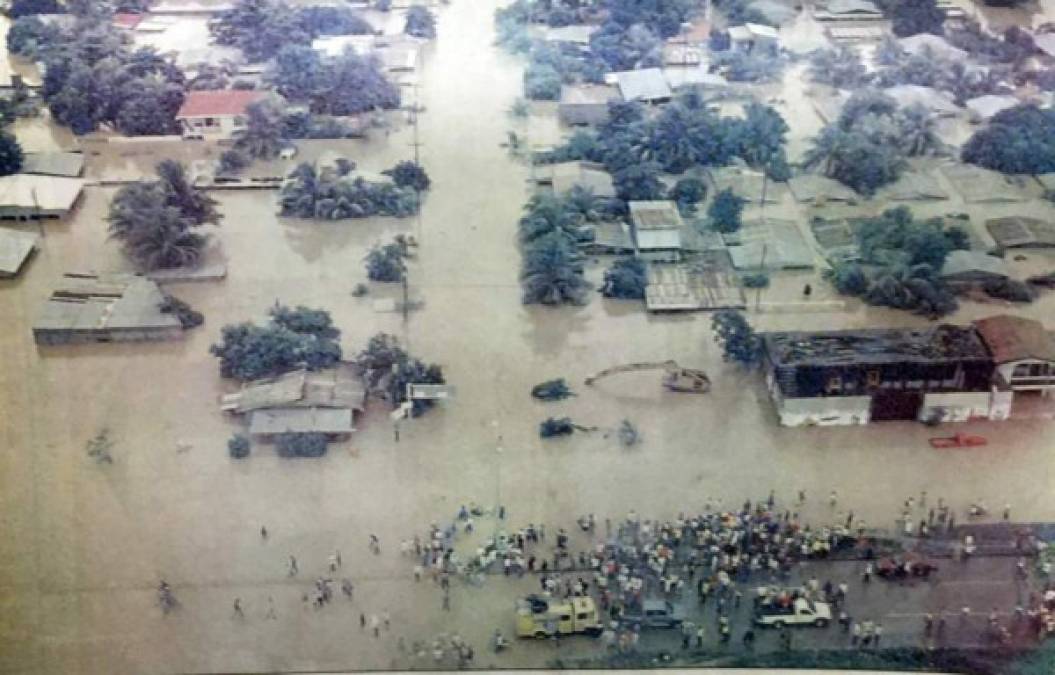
(946,372)
(216,114)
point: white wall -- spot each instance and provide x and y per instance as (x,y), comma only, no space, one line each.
(957,406)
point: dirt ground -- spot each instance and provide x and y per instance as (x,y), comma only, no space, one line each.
(85,545)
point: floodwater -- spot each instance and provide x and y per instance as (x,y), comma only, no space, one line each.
(84,545)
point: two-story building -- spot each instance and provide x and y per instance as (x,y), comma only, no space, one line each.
(944,372)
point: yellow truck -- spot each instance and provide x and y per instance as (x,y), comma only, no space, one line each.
(541,617)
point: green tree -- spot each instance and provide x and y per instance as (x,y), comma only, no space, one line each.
(917,16)
(10,154)
(638,182)
(388,368)
(725,211)
(385,263)
(687,193)
(305,321)
(740,344)
(420,22)
(551,271)
(761,135)
(20,8)
(1020,140)
(409,174)
(627,278)
(264,134)
(249,352)
(153,233)
(917,131)
(259,28)
(31,38)
(193,203)
(840,67)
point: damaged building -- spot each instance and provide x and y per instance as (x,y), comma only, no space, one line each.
(944,372)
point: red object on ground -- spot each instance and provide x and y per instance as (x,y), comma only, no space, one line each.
(958,441)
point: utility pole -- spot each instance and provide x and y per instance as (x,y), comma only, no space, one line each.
(761,270)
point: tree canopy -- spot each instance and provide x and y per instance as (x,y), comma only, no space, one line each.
(388,368)
(10,154)
(627,278)
(294,338)
(725,211)
(420,22)
(910,17)
(740,344)
(154,221)
(347,85)
(20,8)
(1019,140)
(551,271)
(333,195)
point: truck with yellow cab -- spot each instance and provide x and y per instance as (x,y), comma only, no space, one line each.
(541,617)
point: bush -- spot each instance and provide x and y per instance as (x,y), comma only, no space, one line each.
(739,342)
(542,82)
(188,317)
(20,8)
(388,368)
(848,278)
(238,447)
(10,154)
(301,445)
(233,161)
(688,192)
(725,211)
(409,174)
(420,22)
(627,278)
(385,263)
(1012,290)
(333,196)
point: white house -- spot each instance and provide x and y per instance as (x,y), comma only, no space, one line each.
(751,35)
(216,114)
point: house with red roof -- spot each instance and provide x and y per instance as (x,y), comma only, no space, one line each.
(127,20)
(216,114)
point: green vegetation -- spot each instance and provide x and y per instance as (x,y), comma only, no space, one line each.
(725,211)
(238,446)
(294,338)
(740,344)
(866,147)
(839,67)
(154,220)
(264,135)
(910,17)
(410,175)
(687,193)
(388,369)
(188,317)
(301,445)
(420,22)
(336,195)
(233,161)
(10,154)
(30,38)
(901,258)
(551,271)
(627,279)
(385,263)
(21,8)
(1017,140)
(347,85)
(552,390)
(260,28)
(94,78)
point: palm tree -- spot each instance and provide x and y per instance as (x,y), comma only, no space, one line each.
(547,214)
(153,234)
(551,273)
(825,149)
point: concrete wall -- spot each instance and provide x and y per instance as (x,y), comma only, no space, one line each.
(71,337)
(956,406)
(825,411)
(1000,405)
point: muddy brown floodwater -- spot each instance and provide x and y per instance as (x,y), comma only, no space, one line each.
(84,546)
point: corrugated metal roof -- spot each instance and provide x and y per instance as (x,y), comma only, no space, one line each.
(1014,231)
(301,420)
(969,263)
(985,107)
(647,84)
(1015,338)
(68,164)
(49,193)
(938,344)
(15,248)
(655,215)
(109,302)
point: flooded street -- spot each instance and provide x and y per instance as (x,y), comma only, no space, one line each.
(84,545)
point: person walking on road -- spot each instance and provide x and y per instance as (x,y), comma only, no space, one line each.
(270,609)
(292,566)
(238,608)
(877,633)
(375,625)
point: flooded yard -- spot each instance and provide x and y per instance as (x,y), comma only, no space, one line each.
(86,544)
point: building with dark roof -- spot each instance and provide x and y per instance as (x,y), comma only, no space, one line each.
(952,373)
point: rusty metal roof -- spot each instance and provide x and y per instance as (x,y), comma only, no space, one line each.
(1015,338)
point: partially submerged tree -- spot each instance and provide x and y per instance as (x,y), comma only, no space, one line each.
(910,17)
(1020,140)
(385,263)
(687,193)
(388,368)
(420,22)
(627,278)
(725,211)
(551,390)
(264,135)
(299,338)
(840,67)
(10,154)
(337,195)
(552,271)
(409,174)
(740,344)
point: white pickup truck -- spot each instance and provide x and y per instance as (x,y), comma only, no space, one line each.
(800,612)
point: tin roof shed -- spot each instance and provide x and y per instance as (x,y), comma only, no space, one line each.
(1015,338)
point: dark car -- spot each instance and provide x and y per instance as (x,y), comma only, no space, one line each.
(656,614)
